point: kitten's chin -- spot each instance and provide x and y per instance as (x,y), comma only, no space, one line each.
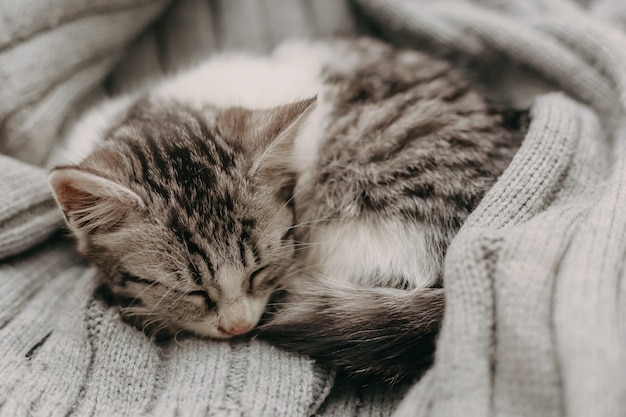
(203,329)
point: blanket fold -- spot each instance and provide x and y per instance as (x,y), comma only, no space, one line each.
(534,281)
(28,213)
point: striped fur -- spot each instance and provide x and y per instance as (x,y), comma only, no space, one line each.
(345,201)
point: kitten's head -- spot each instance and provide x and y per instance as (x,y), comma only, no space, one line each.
(188,213)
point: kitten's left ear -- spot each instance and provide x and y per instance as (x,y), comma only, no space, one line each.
(283,124)
(90,201)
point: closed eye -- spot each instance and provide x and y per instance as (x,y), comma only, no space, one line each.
(132,278)
(255,277)
(208,302)
(272,281)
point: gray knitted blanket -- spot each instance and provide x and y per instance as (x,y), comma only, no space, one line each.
(536,305)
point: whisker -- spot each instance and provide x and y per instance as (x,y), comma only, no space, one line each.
(142,313)
(149,323)
(176,337)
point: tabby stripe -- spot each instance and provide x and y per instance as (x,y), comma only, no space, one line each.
(442,73)
(145,170)
(210,267)
(288,234)
(159,159)
(405,106)
(225,155)
(256,254)
(205,151)
(406,138)
(223,149)
(186,238)
(197,277)
(248,224)
(242,252)
(456,93)
(194,248)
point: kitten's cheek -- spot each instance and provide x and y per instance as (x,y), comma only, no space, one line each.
(257,308)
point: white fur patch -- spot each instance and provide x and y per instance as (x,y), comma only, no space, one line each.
(288,75)
(89,131)
(358,251)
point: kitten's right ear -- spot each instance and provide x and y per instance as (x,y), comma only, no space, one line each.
(284,124)
(91,202)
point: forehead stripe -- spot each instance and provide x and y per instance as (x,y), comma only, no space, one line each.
(144,170)
(255,253)
(242,251)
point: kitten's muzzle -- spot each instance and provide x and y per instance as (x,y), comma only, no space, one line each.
(237,330)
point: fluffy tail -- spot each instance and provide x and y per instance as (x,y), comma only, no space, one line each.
(383,333)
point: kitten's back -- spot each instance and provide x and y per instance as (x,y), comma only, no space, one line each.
(406,151)
(391,151)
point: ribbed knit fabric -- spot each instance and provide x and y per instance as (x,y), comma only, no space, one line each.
(534,281)
(535,301)
(62,351)
(27,213)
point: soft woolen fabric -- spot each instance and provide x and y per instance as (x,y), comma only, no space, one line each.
(535,322)
(535,295)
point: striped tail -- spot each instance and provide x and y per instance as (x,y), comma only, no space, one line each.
(379,333)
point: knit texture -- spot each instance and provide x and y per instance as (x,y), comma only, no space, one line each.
(535,303)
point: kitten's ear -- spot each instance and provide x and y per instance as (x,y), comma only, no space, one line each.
(91,202)
(283,125)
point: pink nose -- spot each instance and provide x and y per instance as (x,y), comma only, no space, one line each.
(237,330)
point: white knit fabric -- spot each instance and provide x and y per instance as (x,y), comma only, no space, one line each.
(535,322)
(535,301)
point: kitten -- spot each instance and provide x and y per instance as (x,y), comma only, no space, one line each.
(337,172)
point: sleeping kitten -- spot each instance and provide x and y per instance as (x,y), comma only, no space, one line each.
(338,172)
